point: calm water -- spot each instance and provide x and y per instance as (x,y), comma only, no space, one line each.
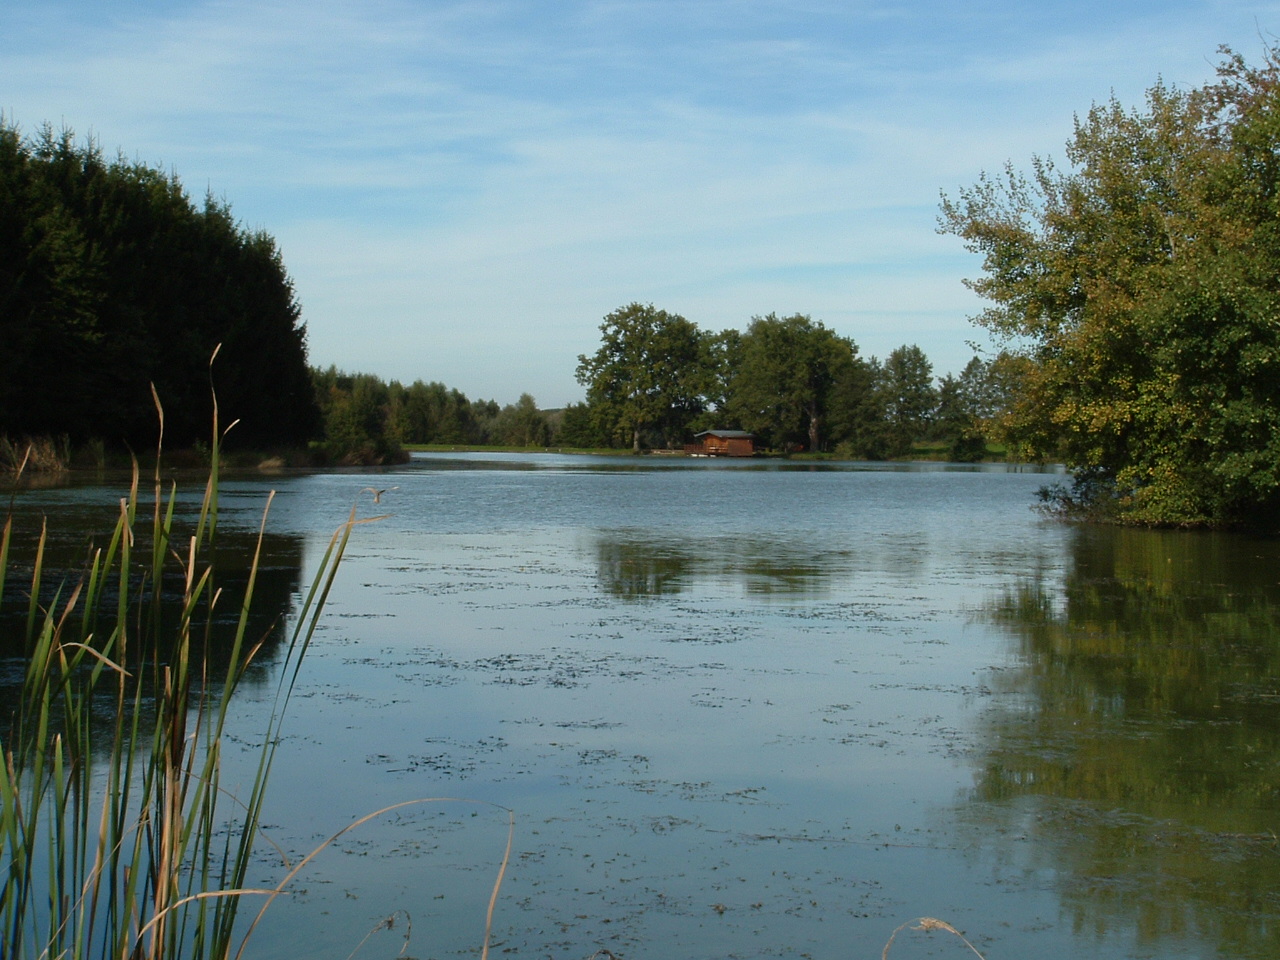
(763,710)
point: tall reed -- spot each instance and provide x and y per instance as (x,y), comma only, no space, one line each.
(44,455)
(117,839)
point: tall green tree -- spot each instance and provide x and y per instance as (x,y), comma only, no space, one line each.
(50,292)
(857,414)
(957,419)
(361,416)
(111,280)
(719,366)
(1142,287)
(579,428)
(521,424)
(646,374)
(431,413)
(909,398)
(784,387)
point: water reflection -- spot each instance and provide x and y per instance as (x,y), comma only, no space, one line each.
(80,528)
(635,564)
(1136,740)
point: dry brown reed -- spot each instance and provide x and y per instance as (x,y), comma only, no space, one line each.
(42,455)
(928,924)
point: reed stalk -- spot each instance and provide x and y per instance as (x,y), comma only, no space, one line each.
(117,840)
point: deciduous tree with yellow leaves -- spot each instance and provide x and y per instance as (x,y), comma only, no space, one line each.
(1143,286)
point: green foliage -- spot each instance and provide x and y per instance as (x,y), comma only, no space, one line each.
(969,406)
(791,381)
(909,398)
(358,416)
(784,388)
(647,373)
(578,427)
(858,412)
(111,280)
(522,424)
(367,420)
(433,413)
(1141,287)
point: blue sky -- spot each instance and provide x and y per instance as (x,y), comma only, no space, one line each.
(462,189)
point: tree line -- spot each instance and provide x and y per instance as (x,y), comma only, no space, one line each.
(112,280)
(366,419)
(656,379)
(1133,296)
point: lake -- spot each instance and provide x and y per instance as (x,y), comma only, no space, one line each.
(757,709)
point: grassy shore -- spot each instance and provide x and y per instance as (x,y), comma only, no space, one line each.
(921,451)
(49,460)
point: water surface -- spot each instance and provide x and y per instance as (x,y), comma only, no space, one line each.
(765,709)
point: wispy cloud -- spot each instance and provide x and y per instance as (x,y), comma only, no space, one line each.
(462,189)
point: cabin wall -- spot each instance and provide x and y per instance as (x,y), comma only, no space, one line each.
(722,447)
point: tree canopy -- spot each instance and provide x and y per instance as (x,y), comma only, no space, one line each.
(646,373)
(111,279)
(369,421)
(908,397)
(785,383)
(1141,286)
(790,380)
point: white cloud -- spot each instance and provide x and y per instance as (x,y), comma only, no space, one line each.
(462,190)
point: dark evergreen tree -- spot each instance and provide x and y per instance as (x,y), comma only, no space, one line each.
(112,280)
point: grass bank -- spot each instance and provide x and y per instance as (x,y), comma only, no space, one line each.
(490,448)
(995,453)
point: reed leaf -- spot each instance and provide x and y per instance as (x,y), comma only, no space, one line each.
(117,840)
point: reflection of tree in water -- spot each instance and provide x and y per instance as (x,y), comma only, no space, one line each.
(72,537)
(633,565)
(1142,728)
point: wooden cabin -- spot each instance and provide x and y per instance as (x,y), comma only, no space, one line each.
(722,443)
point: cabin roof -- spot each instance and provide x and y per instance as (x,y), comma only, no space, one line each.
(727,434)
